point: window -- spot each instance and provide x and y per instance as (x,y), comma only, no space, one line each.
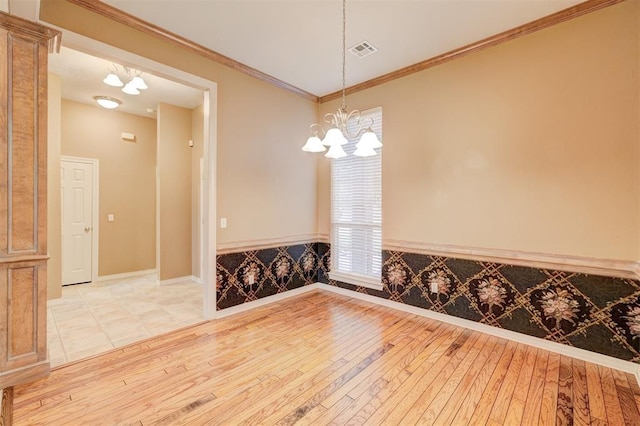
(356,213)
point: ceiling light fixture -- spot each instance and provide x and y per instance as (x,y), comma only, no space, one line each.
(334,138)
(135,83)
(107,102)
(112,79)
(138,83)
(130,89)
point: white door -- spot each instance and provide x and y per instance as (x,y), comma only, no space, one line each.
(77,198)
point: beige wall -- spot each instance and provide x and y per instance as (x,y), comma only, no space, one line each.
(174,191)
(531,145)
(265,184)
(197,152)
(54,220)
(127,181)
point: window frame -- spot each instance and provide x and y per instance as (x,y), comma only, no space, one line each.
(367,281)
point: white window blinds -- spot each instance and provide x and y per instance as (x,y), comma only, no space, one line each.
(356,212)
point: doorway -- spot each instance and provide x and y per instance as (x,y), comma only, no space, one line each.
(79,209)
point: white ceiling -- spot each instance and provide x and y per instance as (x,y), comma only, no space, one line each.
(299,41)
(81,77)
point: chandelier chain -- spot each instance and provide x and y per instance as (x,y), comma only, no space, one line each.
(344,57)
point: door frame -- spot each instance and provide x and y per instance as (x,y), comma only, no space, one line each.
(95,214)
(210,91)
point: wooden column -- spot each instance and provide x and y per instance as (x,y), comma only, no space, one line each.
(24,47)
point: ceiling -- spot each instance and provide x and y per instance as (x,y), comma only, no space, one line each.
(81,77)
(299,41)
(296,41)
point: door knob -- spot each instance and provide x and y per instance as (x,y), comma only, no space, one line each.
(87,229)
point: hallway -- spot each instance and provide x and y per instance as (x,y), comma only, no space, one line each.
(94,318)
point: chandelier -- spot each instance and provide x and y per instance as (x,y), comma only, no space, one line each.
(334,138)
(135,84)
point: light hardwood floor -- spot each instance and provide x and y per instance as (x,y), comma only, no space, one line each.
(322,358)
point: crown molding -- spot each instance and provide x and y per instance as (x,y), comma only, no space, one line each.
(503,37)
(32,30)
(122,17)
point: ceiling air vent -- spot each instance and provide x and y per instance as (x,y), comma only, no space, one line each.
(363,49)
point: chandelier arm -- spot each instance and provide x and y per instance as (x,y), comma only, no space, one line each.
(317,130)
(332,119)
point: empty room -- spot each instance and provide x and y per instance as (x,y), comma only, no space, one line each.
(320,212)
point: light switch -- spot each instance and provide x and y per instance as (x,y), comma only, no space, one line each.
(223,222)
(434,286)
(110,217)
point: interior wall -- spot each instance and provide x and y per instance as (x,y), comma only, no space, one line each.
(266,186)
(197,153)
(174,184)
(54,215)
(531,145)
(127,181)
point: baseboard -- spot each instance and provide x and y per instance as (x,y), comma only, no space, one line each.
(126,275)
(265,301)
(176,280)
(582,354)
(196,280)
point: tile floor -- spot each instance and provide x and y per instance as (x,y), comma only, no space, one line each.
(94,318)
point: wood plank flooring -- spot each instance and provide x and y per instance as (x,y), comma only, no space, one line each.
(320,359)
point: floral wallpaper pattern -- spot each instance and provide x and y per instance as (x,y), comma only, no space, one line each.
(252,275)
(596,313)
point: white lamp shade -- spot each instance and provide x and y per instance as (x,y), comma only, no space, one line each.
(112,79)
(336,151)
(314,144)
(138,83)
(334,137)
(130,89)
(364,151)
(369,139)
(107,102)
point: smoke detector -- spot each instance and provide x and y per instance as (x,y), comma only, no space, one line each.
(363,49)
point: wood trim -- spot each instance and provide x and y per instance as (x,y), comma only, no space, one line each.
(118,15)
(32,30)
(25,258)
(531,27)
(27,374)
(265,243)
(6,414)
(587,265)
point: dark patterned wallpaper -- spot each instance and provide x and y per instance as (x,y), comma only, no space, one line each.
(273,270)
(599,314)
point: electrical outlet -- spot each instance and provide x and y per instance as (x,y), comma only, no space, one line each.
(223,222)
(434,286)
(251,279)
